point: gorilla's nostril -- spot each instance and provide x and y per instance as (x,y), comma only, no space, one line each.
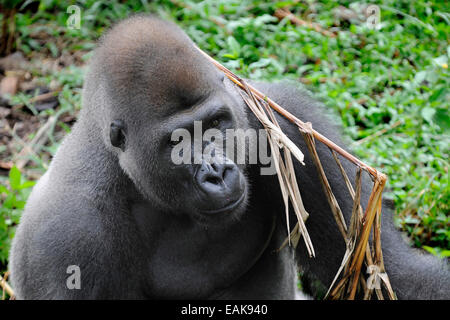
(215,167)
(220,182)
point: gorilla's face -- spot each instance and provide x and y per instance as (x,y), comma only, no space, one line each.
(156,87)
(174,164)
(188,173)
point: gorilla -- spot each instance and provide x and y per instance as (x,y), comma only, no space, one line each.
(137,226)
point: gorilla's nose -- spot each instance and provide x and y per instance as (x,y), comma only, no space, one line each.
(221,182)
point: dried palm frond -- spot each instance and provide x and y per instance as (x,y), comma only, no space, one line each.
(278,140)
(357,235)
(6,289)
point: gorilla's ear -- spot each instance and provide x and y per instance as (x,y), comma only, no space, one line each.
(117,134)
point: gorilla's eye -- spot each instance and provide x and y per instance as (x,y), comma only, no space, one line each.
(117,134)
(215,123)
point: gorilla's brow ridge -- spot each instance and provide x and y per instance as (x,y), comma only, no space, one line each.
(190,101)
(202,113)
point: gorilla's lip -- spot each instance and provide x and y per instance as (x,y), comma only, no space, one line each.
(227,208)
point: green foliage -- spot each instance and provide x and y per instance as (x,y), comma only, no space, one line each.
(13,201)
(438,251)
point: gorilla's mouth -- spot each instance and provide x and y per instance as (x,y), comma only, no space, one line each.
(228,208)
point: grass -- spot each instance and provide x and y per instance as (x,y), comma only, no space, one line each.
(394,80)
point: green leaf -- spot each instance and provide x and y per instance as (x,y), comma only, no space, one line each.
(229,56)
(442,253)
(428,113)
(3,189)
(14,178)
(445,253)
(27,184)
(420,76)
(234,46)
(440,61)
(442,118)
(260,63)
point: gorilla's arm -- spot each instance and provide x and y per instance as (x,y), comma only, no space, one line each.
(81,236)
(40,263)
(413,275)
(67,223)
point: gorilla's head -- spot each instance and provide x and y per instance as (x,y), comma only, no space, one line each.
(152,83)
